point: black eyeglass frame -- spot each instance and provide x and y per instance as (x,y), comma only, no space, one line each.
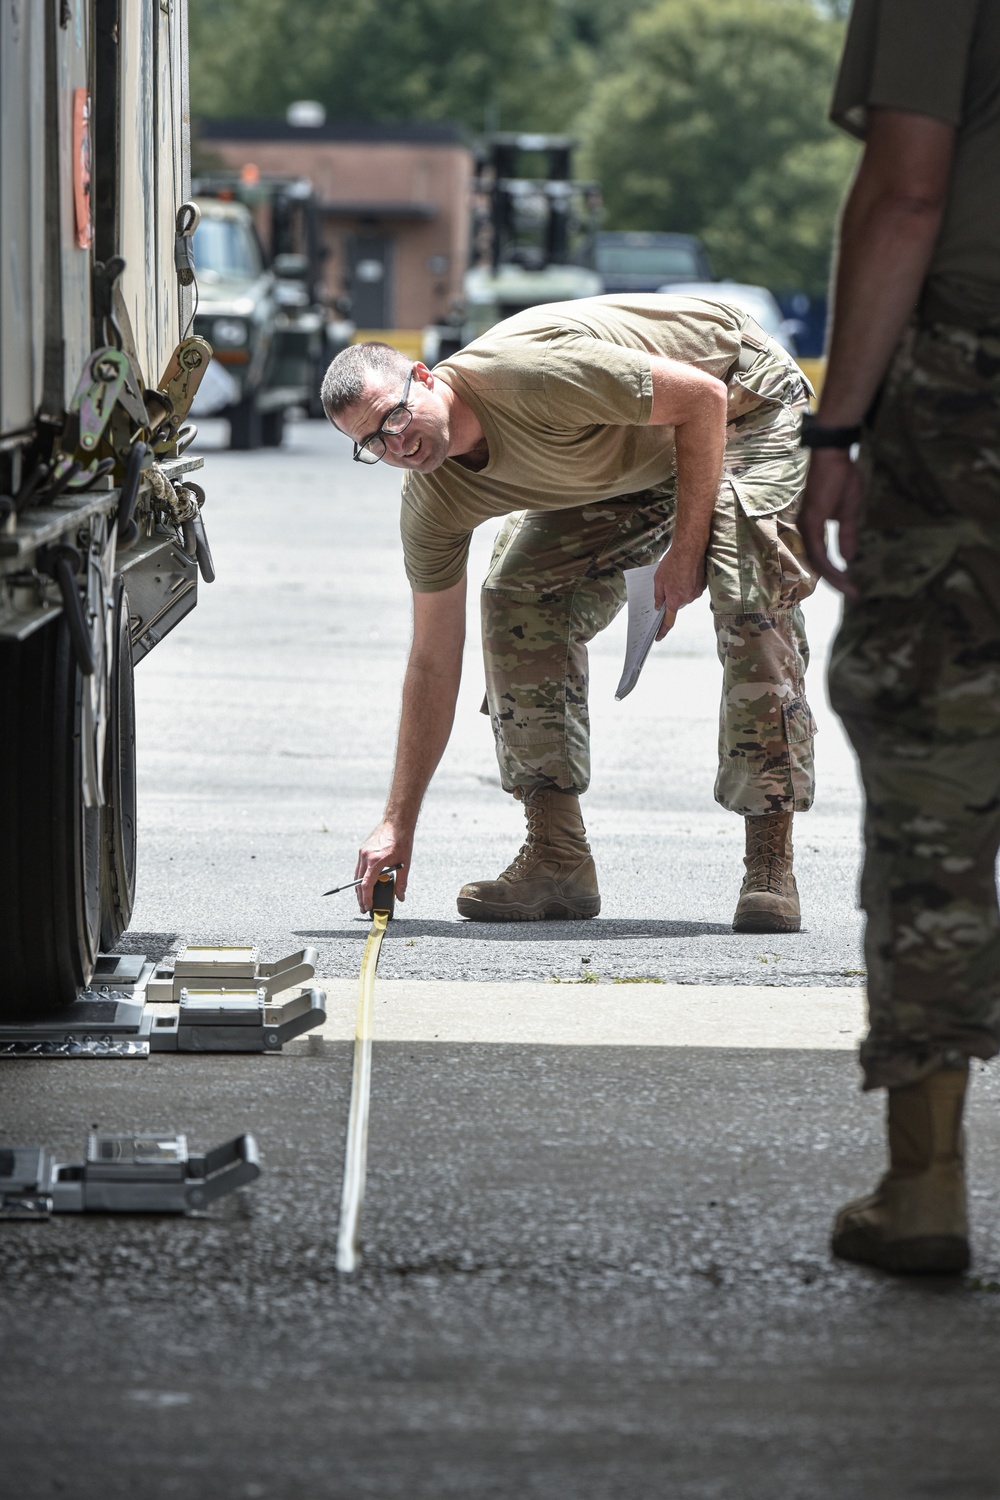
(382,432)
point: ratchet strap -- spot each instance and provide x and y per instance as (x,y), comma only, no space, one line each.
(352,1195)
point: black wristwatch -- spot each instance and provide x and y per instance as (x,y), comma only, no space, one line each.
(813,434)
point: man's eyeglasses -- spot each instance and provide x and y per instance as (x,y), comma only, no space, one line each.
(372,448)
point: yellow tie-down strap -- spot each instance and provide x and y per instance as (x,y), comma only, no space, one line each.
(352,1195)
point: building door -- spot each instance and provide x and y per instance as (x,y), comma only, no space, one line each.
(370,269)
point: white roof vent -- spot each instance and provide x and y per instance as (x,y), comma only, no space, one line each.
(306,112)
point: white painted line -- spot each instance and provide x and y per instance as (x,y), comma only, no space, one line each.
(603,1015)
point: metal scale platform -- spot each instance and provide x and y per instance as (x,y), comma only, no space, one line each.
(200,999)
(148,1172)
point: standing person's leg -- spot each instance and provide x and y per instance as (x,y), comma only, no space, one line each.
(554,582)
(757,577)
(915,675)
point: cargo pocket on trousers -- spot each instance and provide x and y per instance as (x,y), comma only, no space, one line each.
(800,726)
(759,563)
(764,492)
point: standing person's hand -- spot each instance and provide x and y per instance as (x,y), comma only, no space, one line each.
(388,844)
(832,493)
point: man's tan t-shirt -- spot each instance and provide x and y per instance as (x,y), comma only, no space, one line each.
(938,58)
(563,393)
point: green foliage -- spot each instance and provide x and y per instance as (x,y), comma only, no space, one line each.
(597,23)
(711,120)
(777,228)
(518,65)
(705,116)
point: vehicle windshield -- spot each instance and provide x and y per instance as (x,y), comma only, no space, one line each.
(647,260)
(226,247)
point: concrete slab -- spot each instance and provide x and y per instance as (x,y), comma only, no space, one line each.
(266,730)
(579,1014)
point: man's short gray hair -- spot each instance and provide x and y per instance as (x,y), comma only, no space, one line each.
(351,370)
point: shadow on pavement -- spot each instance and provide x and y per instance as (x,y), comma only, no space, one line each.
(534,932)
(153,945)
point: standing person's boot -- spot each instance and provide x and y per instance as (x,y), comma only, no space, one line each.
(915,1220)
(553,874)
(769,897)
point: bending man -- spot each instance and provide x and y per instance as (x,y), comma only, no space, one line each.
(609,431)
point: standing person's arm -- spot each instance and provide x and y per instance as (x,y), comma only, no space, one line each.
(694,404)
(888,229)
(430,691)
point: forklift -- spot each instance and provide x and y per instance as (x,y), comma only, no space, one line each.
(534,229)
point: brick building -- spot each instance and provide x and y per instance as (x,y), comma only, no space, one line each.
(394,201)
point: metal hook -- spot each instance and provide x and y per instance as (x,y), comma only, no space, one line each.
(188,219)
(185,224)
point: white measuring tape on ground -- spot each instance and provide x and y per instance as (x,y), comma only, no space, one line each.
(352,1195)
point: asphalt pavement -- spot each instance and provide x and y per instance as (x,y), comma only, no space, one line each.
(595,1259)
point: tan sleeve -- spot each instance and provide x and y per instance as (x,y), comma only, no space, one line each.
(589,383)
(435,546)
(910,55)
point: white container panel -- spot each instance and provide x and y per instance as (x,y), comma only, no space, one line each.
(72,73)
(22,214)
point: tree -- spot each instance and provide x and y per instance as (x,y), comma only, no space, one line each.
(706,116)
(711,120)
(519,65)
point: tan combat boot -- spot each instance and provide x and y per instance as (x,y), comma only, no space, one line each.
(552,876)
(915,1219)
(769,898)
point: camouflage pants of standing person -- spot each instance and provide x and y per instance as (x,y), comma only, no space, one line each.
(556,580)
(915,675)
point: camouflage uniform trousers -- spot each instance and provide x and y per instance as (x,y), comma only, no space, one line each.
(556,579)
(915,675)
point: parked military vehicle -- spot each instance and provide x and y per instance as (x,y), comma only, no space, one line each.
(101,536)
(640,260)
(533,237)
(238,313)
(258,257)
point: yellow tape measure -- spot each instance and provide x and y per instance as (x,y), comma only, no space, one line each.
(352,1195)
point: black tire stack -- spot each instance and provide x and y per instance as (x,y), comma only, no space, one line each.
(67,871)
(245,425)
(118,815)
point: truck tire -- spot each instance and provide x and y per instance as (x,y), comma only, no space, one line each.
(50,842)
(244,425)
(118,815)
(272,429)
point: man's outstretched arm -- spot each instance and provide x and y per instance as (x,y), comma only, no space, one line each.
(888,230)
(430,690)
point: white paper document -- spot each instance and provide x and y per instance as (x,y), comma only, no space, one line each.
(644,620)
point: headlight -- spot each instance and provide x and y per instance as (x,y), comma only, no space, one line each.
(290,295)
(228,333)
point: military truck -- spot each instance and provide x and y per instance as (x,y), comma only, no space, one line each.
(257,255)
(101,536)
(642,260)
